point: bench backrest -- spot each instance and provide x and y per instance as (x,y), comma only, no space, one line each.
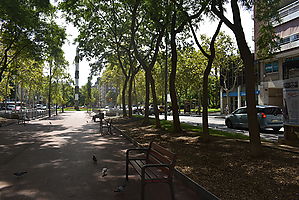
(159,155)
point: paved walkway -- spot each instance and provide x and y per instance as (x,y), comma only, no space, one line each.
(57,156)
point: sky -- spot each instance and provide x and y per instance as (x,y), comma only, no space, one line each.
(209,28)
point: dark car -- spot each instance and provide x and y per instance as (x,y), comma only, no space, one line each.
(268,117)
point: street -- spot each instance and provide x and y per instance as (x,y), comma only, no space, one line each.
(217,122)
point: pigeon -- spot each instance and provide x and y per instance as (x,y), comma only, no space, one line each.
(104,172)
(19,174)
(94,158)
(120,188)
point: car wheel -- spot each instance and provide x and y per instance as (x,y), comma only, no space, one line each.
(276,129)
(229,123)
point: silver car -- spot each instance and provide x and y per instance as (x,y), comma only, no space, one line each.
(268,117)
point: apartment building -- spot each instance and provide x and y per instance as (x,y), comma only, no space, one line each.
(279,75)
(274,72)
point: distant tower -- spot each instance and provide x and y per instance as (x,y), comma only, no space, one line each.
(77,80)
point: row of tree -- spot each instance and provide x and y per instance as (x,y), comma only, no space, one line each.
(189,80)
(132,34)
(31,45)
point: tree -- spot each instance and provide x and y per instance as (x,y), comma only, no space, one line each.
(267,11)
(24,30)
(179,18)
(105,36)
(231,69)
(190,70)
(155,33)
(210,56)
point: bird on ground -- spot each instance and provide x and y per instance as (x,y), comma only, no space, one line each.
(94,158)
(50,122)
(19,174)
(86,121)
(104,171)
(120,188)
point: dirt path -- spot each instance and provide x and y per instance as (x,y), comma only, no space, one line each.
(56,154)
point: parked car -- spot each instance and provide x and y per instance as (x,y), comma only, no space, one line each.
(38,106)
(11,107)
(18,108)
(268,117)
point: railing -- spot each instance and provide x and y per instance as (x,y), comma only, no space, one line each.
(288,13)
(289,9)
(30,113)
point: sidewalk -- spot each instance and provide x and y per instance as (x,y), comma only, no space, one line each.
(57,156)
(7,122)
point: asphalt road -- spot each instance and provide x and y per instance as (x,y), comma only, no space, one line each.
(216,121)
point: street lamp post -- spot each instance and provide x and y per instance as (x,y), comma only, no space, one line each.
(77,80)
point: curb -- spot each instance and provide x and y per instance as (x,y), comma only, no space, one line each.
(201,191)
(273,146)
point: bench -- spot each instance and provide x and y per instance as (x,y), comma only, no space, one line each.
(154,164)
(99,115)
(106,124)
(23,119)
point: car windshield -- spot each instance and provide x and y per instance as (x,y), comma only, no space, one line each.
(270,111)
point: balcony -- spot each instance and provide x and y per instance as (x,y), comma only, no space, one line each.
(288,13)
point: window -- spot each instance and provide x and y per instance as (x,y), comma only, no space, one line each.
(285,40)
(294,37)
(241,111)
(270,111)
(289,39)
(271,67)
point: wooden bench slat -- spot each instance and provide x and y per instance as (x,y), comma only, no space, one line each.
(153,173)
(137,165)
(159,157)
(165,170)
(163,151)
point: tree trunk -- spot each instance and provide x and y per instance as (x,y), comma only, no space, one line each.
(205,101)
(172,89)
(123,98)
(50,90)
(227,102)
(63,97)
(147,95)
(130,95)
(199,102)
(250,81)
(3,65)
(155,102)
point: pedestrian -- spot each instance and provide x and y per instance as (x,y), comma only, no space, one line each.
(227,109)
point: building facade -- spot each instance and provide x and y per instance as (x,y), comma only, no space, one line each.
(285,63)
